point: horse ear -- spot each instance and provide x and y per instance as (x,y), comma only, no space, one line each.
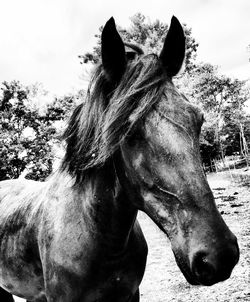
(113,52)
(173,52)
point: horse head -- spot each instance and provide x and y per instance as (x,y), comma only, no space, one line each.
(160,158)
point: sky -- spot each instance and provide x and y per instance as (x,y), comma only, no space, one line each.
(41,39)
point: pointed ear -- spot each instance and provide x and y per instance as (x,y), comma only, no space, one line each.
(113,52)
(173,52)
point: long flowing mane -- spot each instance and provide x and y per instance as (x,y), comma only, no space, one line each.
(96,129)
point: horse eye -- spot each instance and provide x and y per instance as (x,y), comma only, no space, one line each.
(200,123)
(134,138)
(202,119)
(131,55)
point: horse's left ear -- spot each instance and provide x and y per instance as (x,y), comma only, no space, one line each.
(113,52)
(173,52)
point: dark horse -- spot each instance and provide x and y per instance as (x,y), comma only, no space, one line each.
(133,146)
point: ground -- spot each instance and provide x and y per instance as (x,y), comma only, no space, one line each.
(163,281)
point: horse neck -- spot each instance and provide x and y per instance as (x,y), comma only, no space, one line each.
(114,212)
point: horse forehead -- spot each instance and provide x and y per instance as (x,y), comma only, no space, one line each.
(176,106)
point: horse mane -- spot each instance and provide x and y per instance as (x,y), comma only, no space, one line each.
(98,126)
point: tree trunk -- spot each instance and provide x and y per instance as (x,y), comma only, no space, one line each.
(244,147)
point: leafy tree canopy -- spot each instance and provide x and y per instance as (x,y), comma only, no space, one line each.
(27,134)
(222,100)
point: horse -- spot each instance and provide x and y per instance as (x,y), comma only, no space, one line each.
(132,146)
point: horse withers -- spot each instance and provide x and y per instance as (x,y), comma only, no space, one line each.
(133,146)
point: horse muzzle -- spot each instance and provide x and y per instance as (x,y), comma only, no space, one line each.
(212,266)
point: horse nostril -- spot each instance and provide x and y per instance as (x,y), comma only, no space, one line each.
(203,269)
(214,266)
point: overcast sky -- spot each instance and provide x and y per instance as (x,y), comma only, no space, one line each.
(41,39)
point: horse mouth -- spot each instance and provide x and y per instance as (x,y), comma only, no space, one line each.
(185,270)
(188,277)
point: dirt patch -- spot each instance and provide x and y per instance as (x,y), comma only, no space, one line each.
(163,281)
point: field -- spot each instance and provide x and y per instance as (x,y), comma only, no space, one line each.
(163,281)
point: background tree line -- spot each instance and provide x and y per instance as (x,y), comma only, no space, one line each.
(30,129)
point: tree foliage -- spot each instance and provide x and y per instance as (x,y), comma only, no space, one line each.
(22,136)
(27,135)
(222,99)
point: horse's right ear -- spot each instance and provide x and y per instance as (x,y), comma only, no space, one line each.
(173,52)
(113,52)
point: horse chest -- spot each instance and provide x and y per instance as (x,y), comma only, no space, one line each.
(118,288)
(101,275)
(117,280)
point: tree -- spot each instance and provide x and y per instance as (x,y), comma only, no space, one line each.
(222,99)
(61,107)
(28,134)
(236,119)
(147,34)
(23,138)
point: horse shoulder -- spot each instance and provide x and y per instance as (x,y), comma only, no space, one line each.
(64,235)
(19,219)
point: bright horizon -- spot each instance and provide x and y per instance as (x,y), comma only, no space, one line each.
(41,40)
